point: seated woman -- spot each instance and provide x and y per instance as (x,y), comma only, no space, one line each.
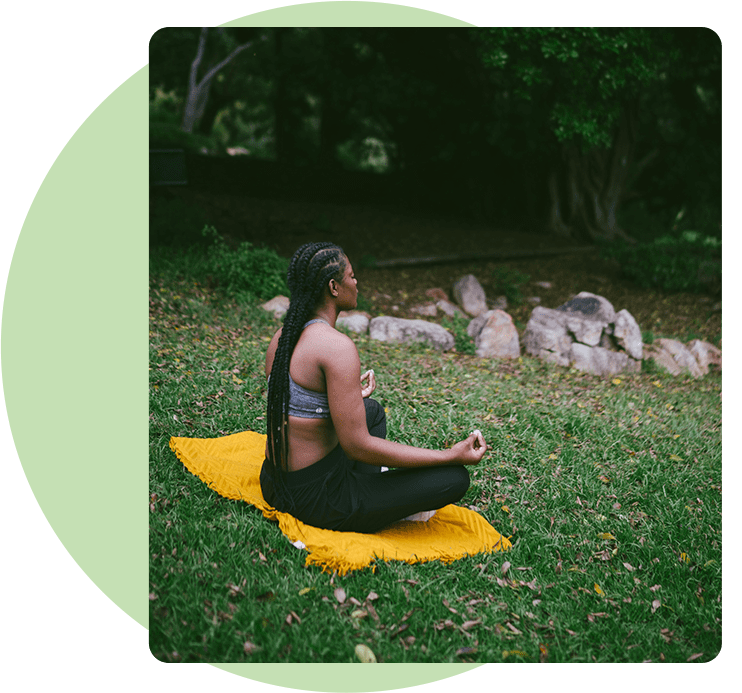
(326,438)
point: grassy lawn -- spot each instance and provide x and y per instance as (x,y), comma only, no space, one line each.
(609,489)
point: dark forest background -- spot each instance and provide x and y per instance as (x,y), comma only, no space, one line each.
(585,135)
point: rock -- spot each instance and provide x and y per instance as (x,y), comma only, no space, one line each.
(534,299)
(628,335)
(475,326)
(497,337)
(353,320)
(437,294)
(590,307)
(544,285)
(501,303)
(546,336)
(673,356)
(597,359)
(391,329)
(450,309)
(278,306)
(428,309)
(705,354)
(469,294)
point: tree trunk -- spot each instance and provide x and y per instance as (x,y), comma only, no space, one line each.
(592,184)
(198,90)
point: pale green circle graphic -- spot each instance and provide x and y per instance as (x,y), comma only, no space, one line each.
(74,350)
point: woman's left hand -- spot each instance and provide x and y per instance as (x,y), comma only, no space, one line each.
(370,379)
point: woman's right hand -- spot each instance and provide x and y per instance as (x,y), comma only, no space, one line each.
(471,450)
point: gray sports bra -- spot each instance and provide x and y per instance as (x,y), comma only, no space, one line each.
(307,404)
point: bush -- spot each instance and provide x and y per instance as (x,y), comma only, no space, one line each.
(507,281)
(687,262)
(260,272)
(457,325)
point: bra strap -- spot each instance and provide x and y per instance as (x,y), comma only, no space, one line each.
(315,320)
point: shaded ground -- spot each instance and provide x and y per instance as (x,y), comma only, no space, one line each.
(387,233)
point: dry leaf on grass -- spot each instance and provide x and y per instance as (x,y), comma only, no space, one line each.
(339,594)
(365,655)
(250,647)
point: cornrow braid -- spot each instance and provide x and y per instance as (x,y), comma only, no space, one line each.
(310,270)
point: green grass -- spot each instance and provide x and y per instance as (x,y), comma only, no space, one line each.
(614,483)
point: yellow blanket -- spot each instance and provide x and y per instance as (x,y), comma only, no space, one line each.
(231,467)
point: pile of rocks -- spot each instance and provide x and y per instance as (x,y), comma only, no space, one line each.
(585,333)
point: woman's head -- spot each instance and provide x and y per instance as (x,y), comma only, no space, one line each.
(312,268)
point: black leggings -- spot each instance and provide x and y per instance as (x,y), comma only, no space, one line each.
(346,495)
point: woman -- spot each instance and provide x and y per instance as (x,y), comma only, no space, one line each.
(326,438)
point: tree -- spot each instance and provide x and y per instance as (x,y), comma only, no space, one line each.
(198,90)
(590,83)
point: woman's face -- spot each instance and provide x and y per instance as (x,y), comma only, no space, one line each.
(348,289)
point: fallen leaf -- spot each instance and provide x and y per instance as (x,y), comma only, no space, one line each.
(513,628)
(359,613)
(656,604)
(468,625)
(505,567)
(571,632)
(305,590)
(605,535)
(598,590)
(694,656)
(365,655)
(508,653)
(462,651)
(152,596)
(339,594)
(628,567)
(261,556)
(250,647)
(505,509)
(372,596)
(654,588)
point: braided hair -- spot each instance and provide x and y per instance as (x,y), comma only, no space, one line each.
(310,271)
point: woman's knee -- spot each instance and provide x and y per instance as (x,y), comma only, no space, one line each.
(375,418)
(460,480)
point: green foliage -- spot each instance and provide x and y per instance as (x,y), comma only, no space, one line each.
(260,272)
(686,262)
(508,281)
(579,75)
(457,325)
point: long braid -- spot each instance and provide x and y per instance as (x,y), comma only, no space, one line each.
(310,271)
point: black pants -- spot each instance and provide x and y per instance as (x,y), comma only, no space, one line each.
(346,495)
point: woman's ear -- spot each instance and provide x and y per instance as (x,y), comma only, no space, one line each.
(333,287)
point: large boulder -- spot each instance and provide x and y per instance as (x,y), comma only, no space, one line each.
(587,333)
(470,295)
(390,329)
(495,335)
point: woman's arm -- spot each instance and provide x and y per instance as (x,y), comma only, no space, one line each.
(342,369)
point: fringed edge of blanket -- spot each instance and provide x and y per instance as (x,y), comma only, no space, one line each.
(330,564)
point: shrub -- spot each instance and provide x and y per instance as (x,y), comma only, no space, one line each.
(457,325)
(687,262)
(260,272)
(507,281)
